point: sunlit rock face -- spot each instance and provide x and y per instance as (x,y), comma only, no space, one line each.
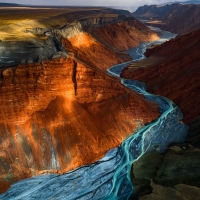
(104,46)
(60,114)
(31,40)
(172,70)
(92,52)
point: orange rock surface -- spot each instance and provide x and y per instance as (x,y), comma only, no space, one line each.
(172,70)
(61,114)
(94,53)
(104,46)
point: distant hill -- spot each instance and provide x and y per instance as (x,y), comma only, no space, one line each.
(177,18)
(9,5)
(129,8)
(119,11)
(158,12)
(191,2)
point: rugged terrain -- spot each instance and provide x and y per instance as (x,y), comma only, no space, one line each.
(173,175)
(59,109)
(176,18)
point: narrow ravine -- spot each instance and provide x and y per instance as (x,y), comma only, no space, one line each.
(109,178)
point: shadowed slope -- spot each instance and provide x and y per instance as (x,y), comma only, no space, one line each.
(172,70)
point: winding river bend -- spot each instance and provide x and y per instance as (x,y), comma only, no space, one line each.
(109,178)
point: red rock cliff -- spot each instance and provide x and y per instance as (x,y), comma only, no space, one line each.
(61,114)
(92,52)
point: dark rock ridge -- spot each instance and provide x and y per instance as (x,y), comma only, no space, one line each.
(9,5)
(17,52)
(155,11)
(173,175)
(176,18)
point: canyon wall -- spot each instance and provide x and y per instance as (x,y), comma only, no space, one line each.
(61,114)
(172,70)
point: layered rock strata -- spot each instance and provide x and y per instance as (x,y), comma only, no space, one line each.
(35,40)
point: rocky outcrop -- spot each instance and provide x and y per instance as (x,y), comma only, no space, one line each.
(173,175)
(172,70)
(176,18)
(16,52)
(180,191)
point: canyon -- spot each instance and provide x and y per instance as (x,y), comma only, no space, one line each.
(70,118)
(171,70)
(59,108)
